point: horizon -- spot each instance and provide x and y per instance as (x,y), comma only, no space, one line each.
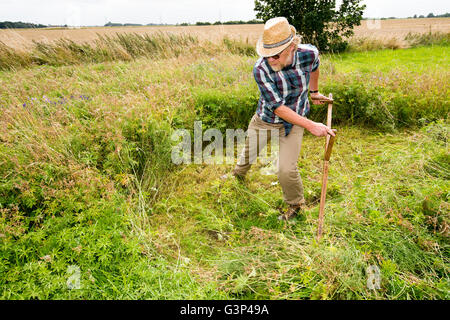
(131,24)
(85,13)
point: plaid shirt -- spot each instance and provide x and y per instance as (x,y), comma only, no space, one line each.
(287,87)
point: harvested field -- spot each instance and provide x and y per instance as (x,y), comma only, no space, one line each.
(381,29)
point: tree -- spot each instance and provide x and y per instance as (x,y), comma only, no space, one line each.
(19,24)
(430,15)
(317,21)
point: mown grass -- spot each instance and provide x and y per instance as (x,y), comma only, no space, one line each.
(374,217)
(86,180)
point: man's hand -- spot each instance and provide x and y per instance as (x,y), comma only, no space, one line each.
(318,98)
(316,128)
(320,130)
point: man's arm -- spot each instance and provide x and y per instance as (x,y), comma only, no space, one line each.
(317,98)
(314,80)
(316,128)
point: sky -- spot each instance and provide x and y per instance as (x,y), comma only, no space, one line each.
(99,12)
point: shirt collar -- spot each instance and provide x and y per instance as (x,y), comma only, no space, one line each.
(294,60)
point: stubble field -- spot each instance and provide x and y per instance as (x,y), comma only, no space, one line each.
(375,29)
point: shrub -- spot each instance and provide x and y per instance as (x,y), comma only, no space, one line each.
(380,107)
(225,110)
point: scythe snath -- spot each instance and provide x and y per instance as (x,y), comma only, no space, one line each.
(328,147)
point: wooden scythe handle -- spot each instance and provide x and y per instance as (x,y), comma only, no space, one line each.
(328,148)
(329,115)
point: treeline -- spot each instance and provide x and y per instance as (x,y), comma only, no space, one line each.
(19,24)
(113,24)
(430,15)
(200,23)
(254,21)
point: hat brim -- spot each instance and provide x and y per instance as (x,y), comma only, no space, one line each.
(265,52)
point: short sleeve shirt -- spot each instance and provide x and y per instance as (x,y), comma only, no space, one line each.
(287,87)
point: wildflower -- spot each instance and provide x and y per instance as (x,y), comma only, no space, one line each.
(46,258)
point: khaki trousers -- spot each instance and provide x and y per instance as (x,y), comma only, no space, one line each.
(289,150)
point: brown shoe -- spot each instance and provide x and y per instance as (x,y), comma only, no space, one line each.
(238,177)
(292,211)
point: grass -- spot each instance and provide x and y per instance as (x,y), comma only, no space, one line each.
(86,180)
(383,61)
(373,218)
(120,47)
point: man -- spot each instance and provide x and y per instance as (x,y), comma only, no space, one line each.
(284,73)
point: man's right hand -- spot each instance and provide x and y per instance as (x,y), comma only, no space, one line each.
(320,130)
(316,128)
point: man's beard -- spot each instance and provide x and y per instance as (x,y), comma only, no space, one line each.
(277,68)
(281,66)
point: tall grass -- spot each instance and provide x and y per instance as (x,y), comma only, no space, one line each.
(77,186)
(427,39)
(121,47)
(411,40)
(130,46)
(362,44)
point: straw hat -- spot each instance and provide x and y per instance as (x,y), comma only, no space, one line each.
(278,35)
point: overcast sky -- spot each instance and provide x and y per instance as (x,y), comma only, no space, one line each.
(99,12)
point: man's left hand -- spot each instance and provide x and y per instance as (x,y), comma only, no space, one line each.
(318,98)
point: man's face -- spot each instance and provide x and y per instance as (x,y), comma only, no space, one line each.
(281,60)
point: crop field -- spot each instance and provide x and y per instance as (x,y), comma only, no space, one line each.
(92,207)
(381,30)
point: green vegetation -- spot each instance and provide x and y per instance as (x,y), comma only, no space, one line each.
(86,182)
(388,89)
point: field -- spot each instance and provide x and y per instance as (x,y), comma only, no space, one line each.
(381,30)
(92,207)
